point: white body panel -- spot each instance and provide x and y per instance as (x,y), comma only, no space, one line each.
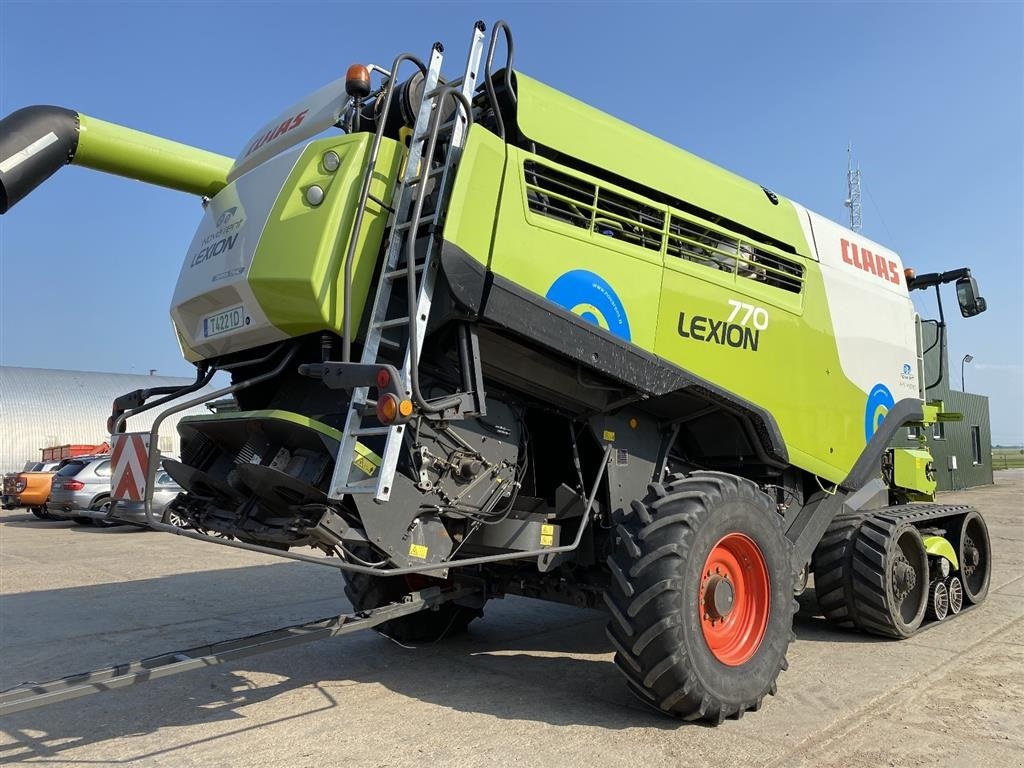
(872,315)
(214,308)
(303,120)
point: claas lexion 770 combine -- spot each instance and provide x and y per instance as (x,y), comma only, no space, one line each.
(488,340)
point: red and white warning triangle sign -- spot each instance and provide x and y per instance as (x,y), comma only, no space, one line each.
(130,462)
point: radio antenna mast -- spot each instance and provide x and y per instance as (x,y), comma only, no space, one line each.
(853,191)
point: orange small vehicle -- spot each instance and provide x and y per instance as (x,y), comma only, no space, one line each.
(31,488)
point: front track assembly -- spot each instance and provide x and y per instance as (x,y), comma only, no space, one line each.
(874,572)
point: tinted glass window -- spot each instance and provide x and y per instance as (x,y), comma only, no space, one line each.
(35,467)
(103,469)
(164,479)
(976,444)
(71,469)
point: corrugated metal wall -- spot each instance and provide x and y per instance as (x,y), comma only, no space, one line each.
(954,438)
(43,407)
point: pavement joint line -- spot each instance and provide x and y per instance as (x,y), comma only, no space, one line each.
(841,728)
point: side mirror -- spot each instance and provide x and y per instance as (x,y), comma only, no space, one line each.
(971,303)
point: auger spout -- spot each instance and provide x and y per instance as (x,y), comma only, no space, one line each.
(36,141)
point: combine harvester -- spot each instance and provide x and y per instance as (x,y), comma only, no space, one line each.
(488,340)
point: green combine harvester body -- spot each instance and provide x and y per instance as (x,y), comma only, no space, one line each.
(491,336)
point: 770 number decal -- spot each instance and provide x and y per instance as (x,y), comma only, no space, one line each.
(742,330)
(755,316)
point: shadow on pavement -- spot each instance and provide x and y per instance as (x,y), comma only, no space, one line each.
(525,660)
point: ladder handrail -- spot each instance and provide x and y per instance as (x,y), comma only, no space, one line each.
(492,96)
(440,94)
(364,194)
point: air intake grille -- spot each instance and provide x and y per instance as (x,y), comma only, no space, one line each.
(590,206)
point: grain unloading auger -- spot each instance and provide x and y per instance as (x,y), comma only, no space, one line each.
(489,340)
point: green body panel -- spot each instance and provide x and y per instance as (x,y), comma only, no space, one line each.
(245,417)
(561,122)
(910,471)
(940,547)
(474,197)
(297,272)
(794,373)
(122,151)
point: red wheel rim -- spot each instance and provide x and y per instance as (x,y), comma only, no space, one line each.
(734,599)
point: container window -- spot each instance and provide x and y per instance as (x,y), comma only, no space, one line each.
(976,444)
(938,431)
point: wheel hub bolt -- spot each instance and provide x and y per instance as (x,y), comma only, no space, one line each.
(718,597)
(973,556)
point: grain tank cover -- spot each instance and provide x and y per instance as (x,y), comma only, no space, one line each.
(306,118)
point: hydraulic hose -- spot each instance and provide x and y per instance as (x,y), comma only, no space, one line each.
(35,142)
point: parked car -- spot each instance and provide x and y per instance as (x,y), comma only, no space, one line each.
(30,488)
(80,487)
(165,490)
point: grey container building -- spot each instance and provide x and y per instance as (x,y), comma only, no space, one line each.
(962,450)
(44,407)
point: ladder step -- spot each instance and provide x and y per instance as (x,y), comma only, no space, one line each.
(399,273)
(371,431)
(419,222)
(367,486)
(393,323)
(423,177)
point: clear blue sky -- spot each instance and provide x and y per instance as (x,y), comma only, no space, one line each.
(932,97)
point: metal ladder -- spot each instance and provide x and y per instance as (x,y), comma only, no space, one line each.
(409,189)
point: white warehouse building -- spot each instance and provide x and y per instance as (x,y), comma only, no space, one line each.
(44,407)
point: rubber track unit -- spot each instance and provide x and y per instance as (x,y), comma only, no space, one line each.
(848,582)
(655,629)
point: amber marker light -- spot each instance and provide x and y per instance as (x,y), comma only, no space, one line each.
(357,81)
(387,409)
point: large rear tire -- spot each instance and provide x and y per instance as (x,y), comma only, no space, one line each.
(701,596)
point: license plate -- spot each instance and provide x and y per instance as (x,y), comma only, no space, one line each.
(225,321)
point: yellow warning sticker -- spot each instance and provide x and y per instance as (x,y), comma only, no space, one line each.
(419,551)
(609,436)
(365,460)
(365,465)
(547,535)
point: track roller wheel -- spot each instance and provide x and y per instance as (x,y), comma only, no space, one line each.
(701,596)
(974,552)
(938,601)
(365,591)
(955,589)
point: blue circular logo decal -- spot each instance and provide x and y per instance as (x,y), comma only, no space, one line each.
(588,295)
(880,400)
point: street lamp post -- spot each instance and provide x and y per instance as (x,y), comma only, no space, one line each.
(967,359)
